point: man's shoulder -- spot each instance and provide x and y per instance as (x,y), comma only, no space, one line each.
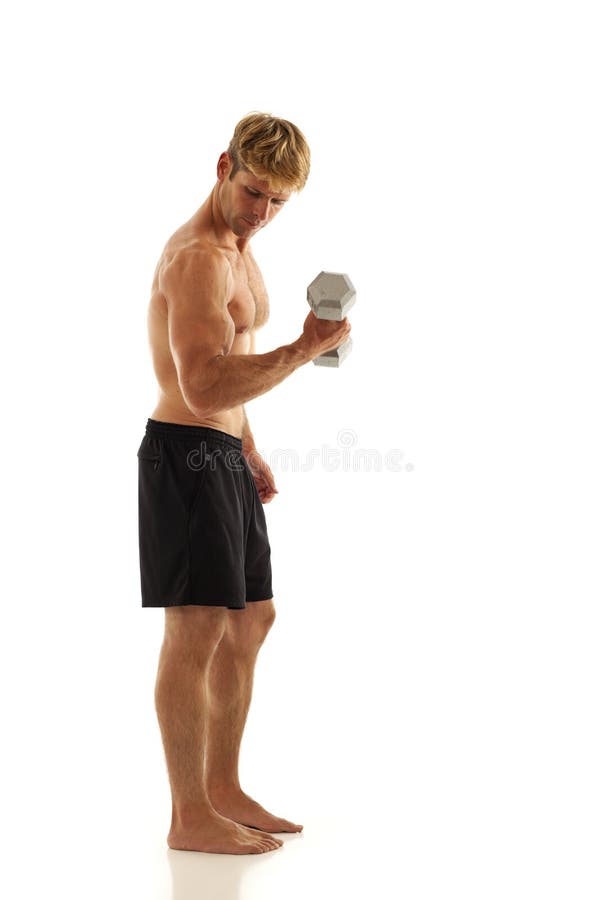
(193,252)
(190,259)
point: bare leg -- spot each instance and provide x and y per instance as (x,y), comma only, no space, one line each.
(191,636)
(230,691)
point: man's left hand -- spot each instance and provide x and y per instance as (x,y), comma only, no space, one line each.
(263,477)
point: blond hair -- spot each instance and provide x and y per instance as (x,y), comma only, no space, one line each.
(273,150)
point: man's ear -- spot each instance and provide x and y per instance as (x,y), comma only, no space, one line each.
(224,166)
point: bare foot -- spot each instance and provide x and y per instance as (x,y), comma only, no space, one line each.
(214,833)
(241,808)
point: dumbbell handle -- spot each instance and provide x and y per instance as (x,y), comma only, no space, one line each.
(334,358)
(330,296)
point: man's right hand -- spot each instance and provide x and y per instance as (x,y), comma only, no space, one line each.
(321,335)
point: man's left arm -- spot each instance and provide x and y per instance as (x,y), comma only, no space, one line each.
(248,445)
(261,472)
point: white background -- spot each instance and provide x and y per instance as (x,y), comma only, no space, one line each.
(427,702)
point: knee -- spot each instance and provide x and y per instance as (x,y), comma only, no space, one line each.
(251,627)
(265,619)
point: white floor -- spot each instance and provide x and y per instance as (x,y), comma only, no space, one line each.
(483,851)
(444,783)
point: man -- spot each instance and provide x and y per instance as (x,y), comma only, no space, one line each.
(204,550)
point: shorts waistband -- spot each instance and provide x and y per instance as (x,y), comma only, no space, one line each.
(170,430)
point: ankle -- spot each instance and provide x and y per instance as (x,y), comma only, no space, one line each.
(189,815)
(224,788)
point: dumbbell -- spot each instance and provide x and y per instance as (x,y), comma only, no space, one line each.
(330,296)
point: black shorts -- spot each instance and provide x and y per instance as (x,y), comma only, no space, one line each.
(203,534)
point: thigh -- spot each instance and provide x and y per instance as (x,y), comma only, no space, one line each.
(216,535)
(195,627)
(257,560)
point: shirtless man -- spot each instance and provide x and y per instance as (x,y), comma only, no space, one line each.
(204,551)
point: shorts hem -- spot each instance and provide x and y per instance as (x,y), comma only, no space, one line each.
(223,604)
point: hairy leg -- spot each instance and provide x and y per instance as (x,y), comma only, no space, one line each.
(230,683)
(191,636)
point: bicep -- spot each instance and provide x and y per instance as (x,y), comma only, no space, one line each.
(200,327)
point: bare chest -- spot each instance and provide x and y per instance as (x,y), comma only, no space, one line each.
(249,306)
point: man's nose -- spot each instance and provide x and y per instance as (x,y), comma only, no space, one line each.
(261,208)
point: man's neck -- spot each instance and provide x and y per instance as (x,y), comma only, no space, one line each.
(210,216)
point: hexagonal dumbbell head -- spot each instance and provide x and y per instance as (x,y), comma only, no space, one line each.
(331,295)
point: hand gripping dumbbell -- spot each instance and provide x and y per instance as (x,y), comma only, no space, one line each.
(330,296)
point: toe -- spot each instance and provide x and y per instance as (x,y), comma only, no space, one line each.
(271,846)
(284,825)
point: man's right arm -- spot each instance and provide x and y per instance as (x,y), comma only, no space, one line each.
(198,287)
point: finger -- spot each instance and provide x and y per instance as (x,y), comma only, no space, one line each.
(268,476)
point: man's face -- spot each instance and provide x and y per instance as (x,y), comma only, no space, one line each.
(247,203)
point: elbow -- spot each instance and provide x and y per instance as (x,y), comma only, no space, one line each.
(198,402)
(199,396)
(200,389)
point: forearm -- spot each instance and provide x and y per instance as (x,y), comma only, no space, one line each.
(229,381)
